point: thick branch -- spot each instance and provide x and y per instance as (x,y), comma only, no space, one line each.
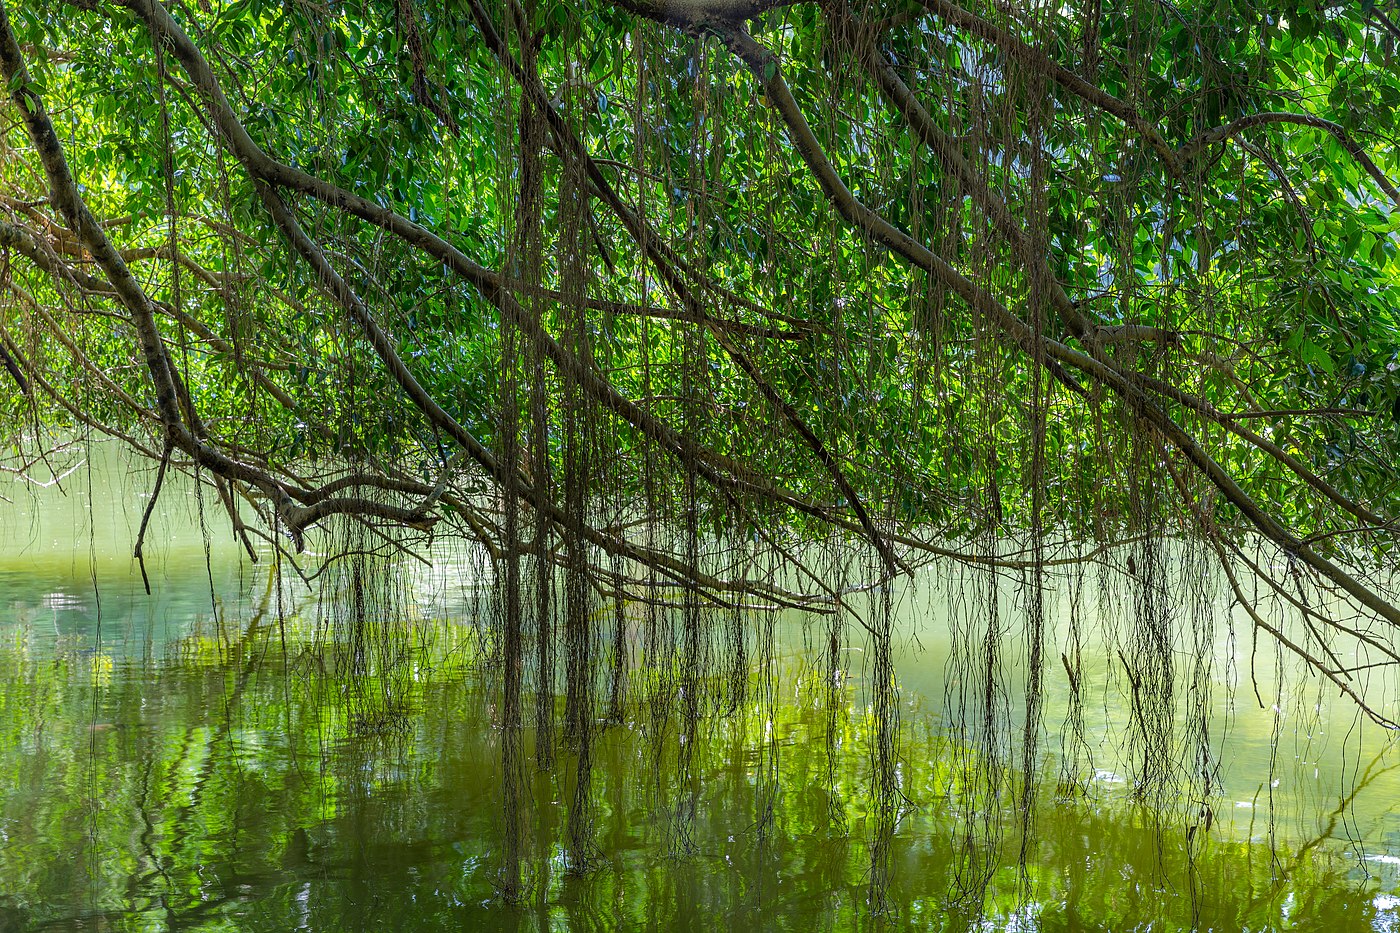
(764,67)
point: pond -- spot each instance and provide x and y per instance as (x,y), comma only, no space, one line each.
(218,755)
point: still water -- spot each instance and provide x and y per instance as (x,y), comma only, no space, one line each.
(199,759)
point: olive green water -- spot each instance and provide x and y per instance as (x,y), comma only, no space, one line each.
(202,758)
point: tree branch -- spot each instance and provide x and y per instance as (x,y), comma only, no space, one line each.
(1224,133)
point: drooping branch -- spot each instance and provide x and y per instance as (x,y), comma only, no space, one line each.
(693,14)
(669,265)
(1232,129)
(1135,388)
(65,196)
(765,69)
(1018,48)
(63,193)
(717,470)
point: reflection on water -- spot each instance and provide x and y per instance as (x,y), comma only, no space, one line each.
(194,759)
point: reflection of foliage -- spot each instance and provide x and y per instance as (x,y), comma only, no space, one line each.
(215,791)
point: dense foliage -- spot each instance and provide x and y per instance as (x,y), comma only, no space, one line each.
(1261,250)
(666,292)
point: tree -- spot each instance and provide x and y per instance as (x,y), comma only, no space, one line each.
(682,295)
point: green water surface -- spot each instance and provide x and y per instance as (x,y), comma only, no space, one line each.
(220,754)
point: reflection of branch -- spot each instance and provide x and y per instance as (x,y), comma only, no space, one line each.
(1368,777)
(243,652)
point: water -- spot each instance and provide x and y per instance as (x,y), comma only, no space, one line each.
(196,759)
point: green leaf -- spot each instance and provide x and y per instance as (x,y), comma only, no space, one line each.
(1315,356)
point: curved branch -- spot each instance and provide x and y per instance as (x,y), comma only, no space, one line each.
(764,66)
(667,263)
(714,468)
(1230,130)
